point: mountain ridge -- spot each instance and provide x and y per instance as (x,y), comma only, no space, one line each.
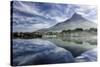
(77,21)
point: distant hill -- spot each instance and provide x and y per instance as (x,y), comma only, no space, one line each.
(77,21)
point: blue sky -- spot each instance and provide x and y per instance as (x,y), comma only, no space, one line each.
(32,16)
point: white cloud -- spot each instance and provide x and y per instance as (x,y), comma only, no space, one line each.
(88,12)
(31,15)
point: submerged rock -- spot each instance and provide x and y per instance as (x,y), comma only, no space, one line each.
(37,51)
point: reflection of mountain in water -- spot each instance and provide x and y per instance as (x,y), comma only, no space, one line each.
(38,51)
(75,45)
(80,40)
(75,22)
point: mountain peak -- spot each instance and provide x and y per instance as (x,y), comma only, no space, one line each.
(77,21)
(76,17)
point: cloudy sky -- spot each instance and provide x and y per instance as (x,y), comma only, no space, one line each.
(32,16)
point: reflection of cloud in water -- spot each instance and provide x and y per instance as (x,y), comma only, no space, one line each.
(36,51)
(87,56)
